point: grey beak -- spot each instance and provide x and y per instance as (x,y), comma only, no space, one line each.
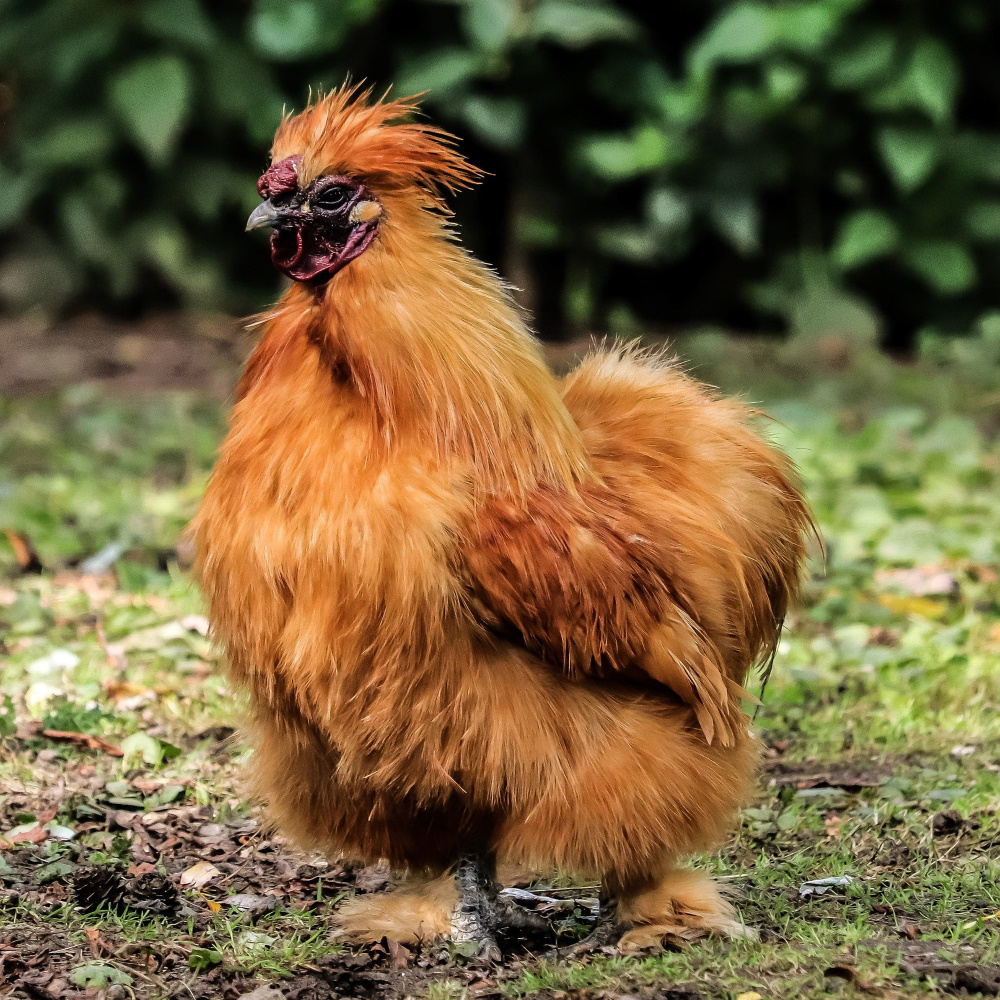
(265,214)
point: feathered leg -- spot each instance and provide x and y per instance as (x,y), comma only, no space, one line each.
(464,907)
(678,905)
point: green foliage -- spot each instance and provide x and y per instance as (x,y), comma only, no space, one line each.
(759,132)
(149,749)
(65,715)
(151,99)
(204,958)
(153,463)
(8,722)
(100,976)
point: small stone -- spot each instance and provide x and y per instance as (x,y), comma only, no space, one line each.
(946,823)
(250,903)
(264,993)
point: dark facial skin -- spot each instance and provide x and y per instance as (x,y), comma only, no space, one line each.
(318,229)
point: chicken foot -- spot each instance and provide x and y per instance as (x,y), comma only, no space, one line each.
(607,932)
(481,911)
(476,915)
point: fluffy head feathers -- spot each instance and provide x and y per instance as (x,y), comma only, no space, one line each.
(344,132)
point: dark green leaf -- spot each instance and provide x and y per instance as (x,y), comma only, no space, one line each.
(171,793)
(805,27)
(910,155)
(438,71)
(77,51)
(291,29)
(616,157)
(744,32)
(68,716)
(17,191)
(497,121)
(84,228)
(982,220)
(785,82)
(935,77)
(864,61)
(669,211)
(577,23)
(70,144)
(53,871)
(864,236)
(244,89)
(975,154)
(537,231)
(489,23)
(945,265)
(927,83)
(628,242)
(204,958)
(179,20)
(151,98)
(736,218)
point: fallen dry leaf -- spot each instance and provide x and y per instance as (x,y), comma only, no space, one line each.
(98,946)
(922,606)
(921,581)
(84,741)
(24,551)
(198,875)
(31,833)
(126,694)
(400,954)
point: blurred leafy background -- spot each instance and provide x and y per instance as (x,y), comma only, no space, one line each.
(776,164)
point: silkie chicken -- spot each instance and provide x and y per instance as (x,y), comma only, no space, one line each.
(481,612)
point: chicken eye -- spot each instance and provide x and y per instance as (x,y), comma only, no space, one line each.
(332,198)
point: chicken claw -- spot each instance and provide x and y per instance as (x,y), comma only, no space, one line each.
(607,933)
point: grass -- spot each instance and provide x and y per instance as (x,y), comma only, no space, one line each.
(879,727)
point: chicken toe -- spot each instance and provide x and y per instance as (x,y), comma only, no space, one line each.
(606,933)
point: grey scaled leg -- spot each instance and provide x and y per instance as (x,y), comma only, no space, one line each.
(475,917)
(607,931)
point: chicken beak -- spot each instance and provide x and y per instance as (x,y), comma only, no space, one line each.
(265,214)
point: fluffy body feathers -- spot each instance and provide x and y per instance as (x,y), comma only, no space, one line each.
(475,605)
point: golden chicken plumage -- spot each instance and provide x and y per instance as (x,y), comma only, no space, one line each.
(480,611)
